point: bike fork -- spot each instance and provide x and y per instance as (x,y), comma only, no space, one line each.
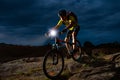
(55,59)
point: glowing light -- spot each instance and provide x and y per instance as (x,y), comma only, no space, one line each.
(53,33)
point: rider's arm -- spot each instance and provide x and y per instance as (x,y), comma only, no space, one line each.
(71,24)
(58,24)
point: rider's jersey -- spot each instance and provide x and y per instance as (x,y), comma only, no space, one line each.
(68,21)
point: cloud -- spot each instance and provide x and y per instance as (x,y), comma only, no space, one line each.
(2,36)
(22,21)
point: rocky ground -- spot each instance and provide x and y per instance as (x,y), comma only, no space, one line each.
(31,69)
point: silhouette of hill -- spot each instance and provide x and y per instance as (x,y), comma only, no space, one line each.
(106,48)
(10,51)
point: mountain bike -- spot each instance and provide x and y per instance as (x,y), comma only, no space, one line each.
(53,63)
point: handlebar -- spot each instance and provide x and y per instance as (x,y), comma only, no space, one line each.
(53,33)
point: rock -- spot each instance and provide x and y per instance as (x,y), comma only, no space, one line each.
(31,69)
(74,67)
(97,70)
(98,73)
(116,60)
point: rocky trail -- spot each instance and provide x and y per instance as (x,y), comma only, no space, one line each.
(31,69)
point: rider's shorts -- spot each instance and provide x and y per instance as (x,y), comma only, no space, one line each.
(76,30)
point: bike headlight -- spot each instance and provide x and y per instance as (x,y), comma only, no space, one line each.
(53,33)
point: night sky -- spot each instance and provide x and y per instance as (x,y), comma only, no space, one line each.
(24,22)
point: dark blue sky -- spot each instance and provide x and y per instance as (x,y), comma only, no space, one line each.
(25,21)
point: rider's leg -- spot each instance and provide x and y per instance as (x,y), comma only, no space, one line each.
(74,34)
(67,45)
(67,39)
(74,40)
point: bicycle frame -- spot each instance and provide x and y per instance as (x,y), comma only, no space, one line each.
(54,34)
(59,43)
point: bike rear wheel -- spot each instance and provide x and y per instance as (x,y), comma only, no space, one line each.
(78,53)
(53,64)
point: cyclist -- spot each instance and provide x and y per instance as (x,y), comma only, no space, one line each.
(72,28)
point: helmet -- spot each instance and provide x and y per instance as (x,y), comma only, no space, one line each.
(62,12)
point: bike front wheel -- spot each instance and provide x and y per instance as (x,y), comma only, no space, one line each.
(53,64)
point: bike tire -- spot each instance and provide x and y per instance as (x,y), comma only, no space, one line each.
(78,53)
(51,54)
